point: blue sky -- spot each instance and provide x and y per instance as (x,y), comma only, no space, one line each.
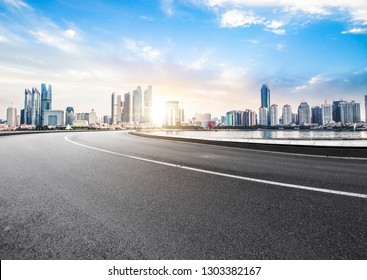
(211,55)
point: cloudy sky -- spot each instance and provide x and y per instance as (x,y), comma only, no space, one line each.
(211,55)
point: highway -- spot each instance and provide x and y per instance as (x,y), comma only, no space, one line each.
(111,195)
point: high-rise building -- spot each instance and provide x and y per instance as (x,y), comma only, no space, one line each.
(46,99)
(340,111)
(92,119)
(356,107)
(286,114)
(137,105)
(249,118)
(11,116)
(115,108)
(304,116)
(106,119)
(316,115)
(346,112)
(265,99)
(174,115)
(263,115)
(273,112)
(148,104)
(326,113)
(127,116)
(69,116)
(265,96)
(32,103)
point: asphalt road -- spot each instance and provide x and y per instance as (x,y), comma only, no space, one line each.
(104,200)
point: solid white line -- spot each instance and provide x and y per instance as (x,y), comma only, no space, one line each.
(359,195)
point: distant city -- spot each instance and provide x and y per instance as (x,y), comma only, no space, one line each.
(135,111)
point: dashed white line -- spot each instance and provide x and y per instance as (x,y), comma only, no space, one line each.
(268,182)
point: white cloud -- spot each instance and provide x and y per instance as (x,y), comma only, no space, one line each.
(356,8)
(142,49)
(167,7)
(70,33)
(356,31)
(54,39)
(3,39)
(274,25)
(313,81)
(18,4)
(237,18)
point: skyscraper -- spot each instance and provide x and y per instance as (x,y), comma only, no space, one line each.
(316,115)
(265,96)
(148,101)
(326,113)
(286,114)
(304,116)
(265,99)
(127,111)
(274,120)
(340,111)
(32,103)
(174,115)
(115,108)
(92,119)
(69,116)
(11,116)
(137,105)
(263,116)
(46,100)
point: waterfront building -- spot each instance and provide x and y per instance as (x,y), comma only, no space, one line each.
(263,115)
(128,108)
(92,118)
(202,120)
(32,103)
(174,115)
(273,112)
(294,118)
(356,112)
(316,115)
(304,116)
(265,98)
(53,117)
(137,105)
(286,114)
(46,99)
(249,118)
(340,111)
(148,104)
(326,113)
(346,112)
(115,108)
(223,120)
(69,116)
(107,119)
(11,116)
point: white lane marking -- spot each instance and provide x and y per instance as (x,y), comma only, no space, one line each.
(359,195)
(248,149)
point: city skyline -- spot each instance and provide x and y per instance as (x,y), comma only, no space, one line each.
(211,56)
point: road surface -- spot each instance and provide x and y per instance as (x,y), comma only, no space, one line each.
(111,195)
